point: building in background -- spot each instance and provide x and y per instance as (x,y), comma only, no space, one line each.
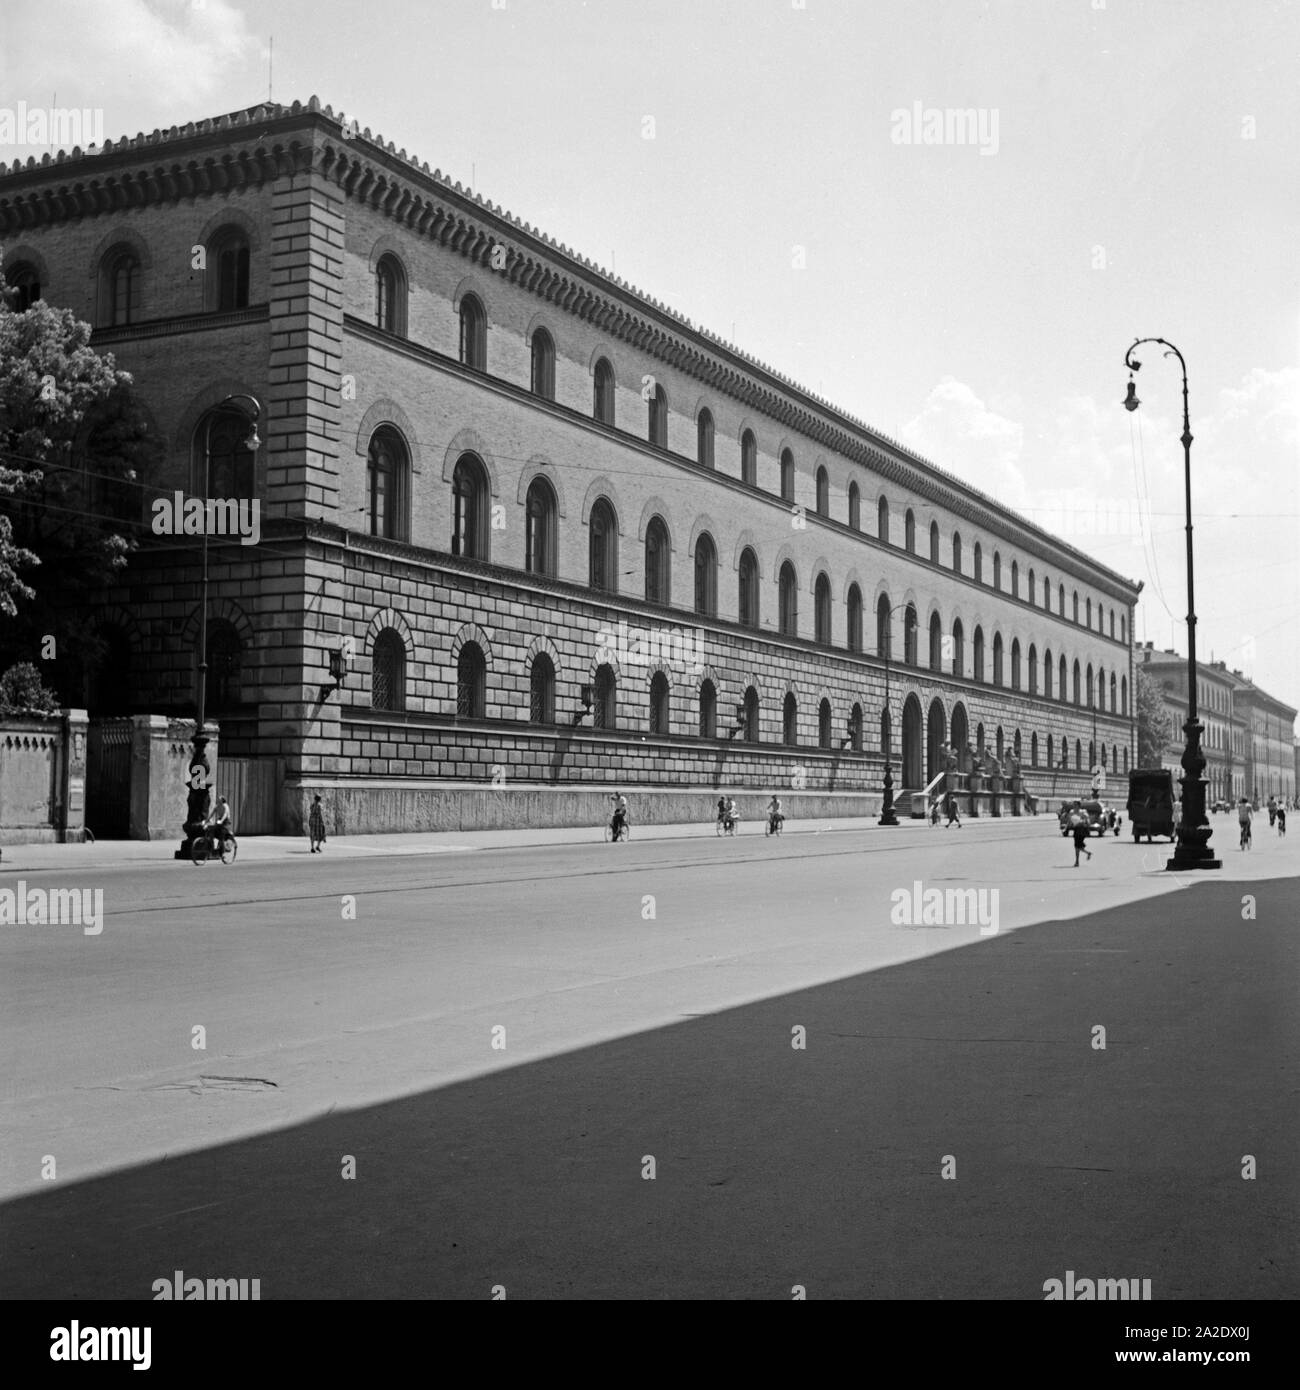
(558,534)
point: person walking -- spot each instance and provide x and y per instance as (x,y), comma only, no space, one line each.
(950,808)
(1281,818)
(1272,811)
(1079,825)
(316,825)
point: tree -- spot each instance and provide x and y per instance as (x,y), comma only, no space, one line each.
(75,446)
(23,692)
(1156,727)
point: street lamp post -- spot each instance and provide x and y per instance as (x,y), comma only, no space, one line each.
(888,815)
(1193,848)
(199,780)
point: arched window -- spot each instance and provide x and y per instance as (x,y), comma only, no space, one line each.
(473,333)
(471,682)
(225,659)
(604,712)
(1033,750)
(999,744)
(388,672)
(934,542)
(909,532)
(747,606)
(602,393)
(708,709)
(958,649)
(787,475)
(387,469)
(1015,579)
(997,658)
(1092,753)
(751,714)
(790,721)
(543,360)
(1029,588)
(855,619)
(1112,693)
(658,418)
(855,728)
(1112,623)
(25,282)
(855,507)
(390,295)
(1063,683)
(882,520)
(1122,638)
(936,643)
(228,254)
(979,654)
(822,610)
(602,547)
(1126,760)
(541,690)
(1060,599)
(704,439)
(956,552)
(706,576)
(884,637)
(1123,694)
(1050,754)
(749,459)
(1075,614)
(122,283)
(230,470)
(1089,686)
(1088,612)
(469,510)
(1047,594)
(789,594)
(823,492)
(1033,669)
(1078,755)
(659,706)
(824,724)
(979,739)
(1047,673)
(979,563)
(1078,683)
(539,528)
(909,636)
(657,562)
(1015,663)
(997,569)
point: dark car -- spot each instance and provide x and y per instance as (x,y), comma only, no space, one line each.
(1094,810)
(1151,802)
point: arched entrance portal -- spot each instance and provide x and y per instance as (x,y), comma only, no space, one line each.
(912,778)
(936,726)
(960,736)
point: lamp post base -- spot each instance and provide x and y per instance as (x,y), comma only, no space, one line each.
(1193,851)
(888,816)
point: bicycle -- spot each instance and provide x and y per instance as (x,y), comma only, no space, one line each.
(204,846)
(624,831)
(775,824)
(1245,836)
(726,825)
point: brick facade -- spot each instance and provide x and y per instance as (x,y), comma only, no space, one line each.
(318,212)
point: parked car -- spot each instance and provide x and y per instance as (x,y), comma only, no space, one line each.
(1151,802)
(1094,810)
(1220,806)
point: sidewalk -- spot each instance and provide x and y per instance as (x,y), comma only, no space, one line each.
(278,848)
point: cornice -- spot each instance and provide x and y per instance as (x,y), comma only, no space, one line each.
(372,171)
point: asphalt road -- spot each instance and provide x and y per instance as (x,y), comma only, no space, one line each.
(501,1039)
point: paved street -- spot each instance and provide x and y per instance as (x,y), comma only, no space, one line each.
(644,998)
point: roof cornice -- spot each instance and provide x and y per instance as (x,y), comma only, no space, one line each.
(200,161)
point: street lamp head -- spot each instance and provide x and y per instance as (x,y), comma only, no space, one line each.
(1131,401)
(252,443)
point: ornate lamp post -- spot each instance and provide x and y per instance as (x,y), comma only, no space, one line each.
(888,816)
(199,779)
(1193,848)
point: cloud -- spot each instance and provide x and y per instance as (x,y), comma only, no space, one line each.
(957,431)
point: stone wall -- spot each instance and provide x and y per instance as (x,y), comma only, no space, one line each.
(42,778)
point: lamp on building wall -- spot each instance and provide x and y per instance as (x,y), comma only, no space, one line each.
(199,779)
(339,667)
(1193,848)
(587,694)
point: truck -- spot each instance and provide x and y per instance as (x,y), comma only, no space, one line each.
(1151,802)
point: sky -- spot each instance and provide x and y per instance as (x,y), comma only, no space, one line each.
(1132,170)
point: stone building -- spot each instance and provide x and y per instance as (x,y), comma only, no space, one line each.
(559,535)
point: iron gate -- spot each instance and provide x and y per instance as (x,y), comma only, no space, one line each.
(108,778)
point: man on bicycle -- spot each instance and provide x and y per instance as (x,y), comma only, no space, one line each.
(219,821)
(775,816)
(1244,817)
(619,822)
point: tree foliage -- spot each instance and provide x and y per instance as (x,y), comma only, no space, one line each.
(1156,727)
(22,691)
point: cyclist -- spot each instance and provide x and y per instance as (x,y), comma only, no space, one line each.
(219,821)
(1244,817)
(618,824)
(722,810)
(775,816)
(730,817)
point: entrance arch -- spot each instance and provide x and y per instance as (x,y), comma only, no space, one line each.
(960,736)
(912,779)
(935,731)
